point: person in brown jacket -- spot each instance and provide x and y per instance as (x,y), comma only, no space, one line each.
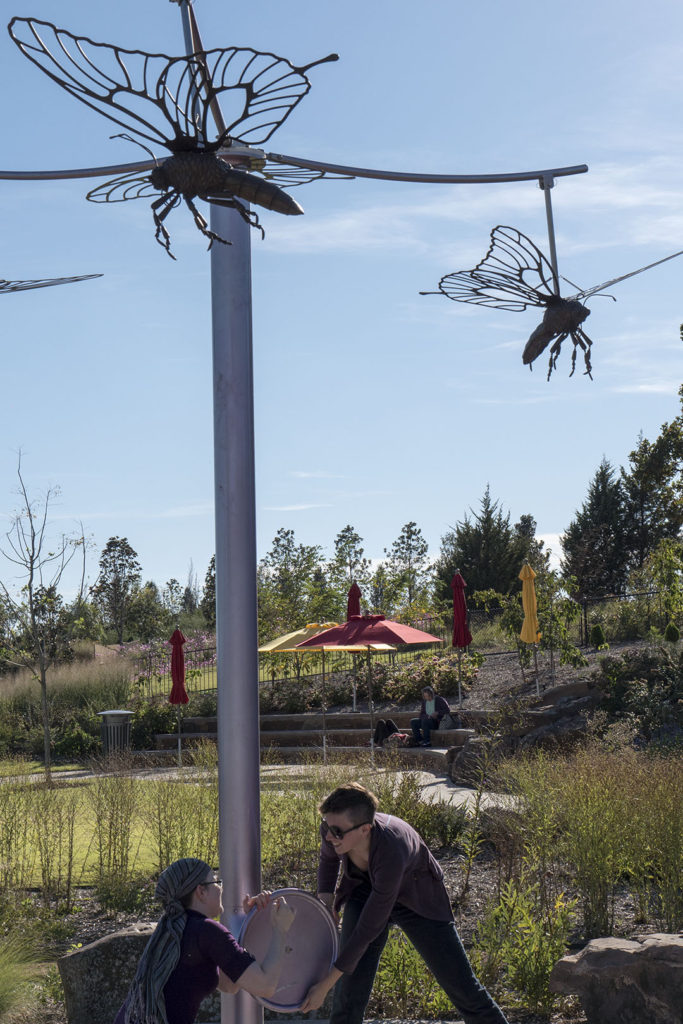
(389,876)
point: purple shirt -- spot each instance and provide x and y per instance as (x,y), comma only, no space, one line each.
(206,945)
(401,869)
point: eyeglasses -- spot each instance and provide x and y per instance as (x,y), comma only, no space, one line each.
(214,881)
(339,833)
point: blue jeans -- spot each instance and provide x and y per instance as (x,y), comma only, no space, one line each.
(426,725)
(439,945)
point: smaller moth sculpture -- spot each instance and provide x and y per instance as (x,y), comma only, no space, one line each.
(515,274)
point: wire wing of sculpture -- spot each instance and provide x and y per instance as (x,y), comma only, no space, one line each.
(47,282)
(515,274)
(166,101)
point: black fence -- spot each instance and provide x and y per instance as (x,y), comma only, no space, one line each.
(622,618)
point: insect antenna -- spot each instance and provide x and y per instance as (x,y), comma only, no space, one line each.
(129,138)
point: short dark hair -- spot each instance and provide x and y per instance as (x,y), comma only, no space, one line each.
(353,799)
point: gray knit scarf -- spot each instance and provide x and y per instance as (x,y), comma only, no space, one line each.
(145,1002)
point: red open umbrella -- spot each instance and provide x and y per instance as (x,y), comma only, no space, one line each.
(178,694)
(371,629)
(367,631)
(353,601)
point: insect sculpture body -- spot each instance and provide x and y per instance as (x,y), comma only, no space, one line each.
(167,101)
(515,274)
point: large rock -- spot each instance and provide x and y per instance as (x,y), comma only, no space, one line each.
(96,978)
(624,981)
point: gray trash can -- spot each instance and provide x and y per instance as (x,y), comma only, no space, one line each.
(115,727)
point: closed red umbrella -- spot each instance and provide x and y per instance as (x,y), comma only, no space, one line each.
(178,694)
(353,601)
(461,634)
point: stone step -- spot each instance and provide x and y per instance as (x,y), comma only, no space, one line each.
(350,738)
(310,720)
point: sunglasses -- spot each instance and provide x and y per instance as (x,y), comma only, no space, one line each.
(339,833)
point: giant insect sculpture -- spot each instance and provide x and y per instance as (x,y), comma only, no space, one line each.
(46,282)
(515,274)
(167,101)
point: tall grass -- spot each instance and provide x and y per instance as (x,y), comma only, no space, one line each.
(18,968)
(607,822)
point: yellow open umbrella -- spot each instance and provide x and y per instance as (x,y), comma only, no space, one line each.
(288,641)
(354,648)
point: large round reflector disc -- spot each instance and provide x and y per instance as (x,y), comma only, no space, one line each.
(311,945)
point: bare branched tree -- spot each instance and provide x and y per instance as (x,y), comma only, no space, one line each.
(34,627)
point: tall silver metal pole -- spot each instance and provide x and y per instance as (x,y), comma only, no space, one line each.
(236,622)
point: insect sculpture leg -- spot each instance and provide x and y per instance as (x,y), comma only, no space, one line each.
(161,208)
(250,216)
(555,353)
(579,337)
(202,224)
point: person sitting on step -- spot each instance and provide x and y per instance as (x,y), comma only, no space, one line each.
(432,710)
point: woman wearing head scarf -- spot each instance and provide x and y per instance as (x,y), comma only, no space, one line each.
(189,954)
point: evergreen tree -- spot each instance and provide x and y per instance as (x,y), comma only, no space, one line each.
(207,605)
(486,549)
(593,544)
(653,491)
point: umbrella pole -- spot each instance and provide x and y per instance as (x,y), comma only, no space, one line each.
(354,682)
(180,754)
(323,709)
(372,722)
(538,692)
(460,678)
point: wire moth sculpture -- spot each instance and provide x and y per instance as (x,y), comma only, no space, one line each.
(166,101)
(47,282)
(515,274)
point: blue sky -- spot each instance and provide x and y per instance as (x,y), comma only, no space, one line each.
(374,405)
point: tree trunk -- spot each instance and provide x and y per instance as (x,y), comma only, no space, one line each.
(46,721)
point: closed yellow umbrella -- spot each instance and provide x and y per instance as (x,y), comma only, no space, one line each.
(530,634)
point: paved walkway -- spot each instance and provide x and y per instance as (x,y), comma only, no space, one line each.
(434,788)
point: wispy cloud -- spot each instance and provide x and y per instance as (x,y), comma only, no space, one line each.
(315,474)
(294,508)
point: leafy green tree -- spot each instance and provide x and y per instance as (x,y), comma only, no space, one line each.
(593,544)
(286,579)
(207,604)
(172,598)
(407,564)
(487,550)
(349,564)
(662,572)
(117,583)
(384,595)
(148,616)
(653,491)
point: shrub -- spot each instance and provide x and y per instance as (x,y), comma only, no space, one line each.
(597,637)
(519,942)
(672,633)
